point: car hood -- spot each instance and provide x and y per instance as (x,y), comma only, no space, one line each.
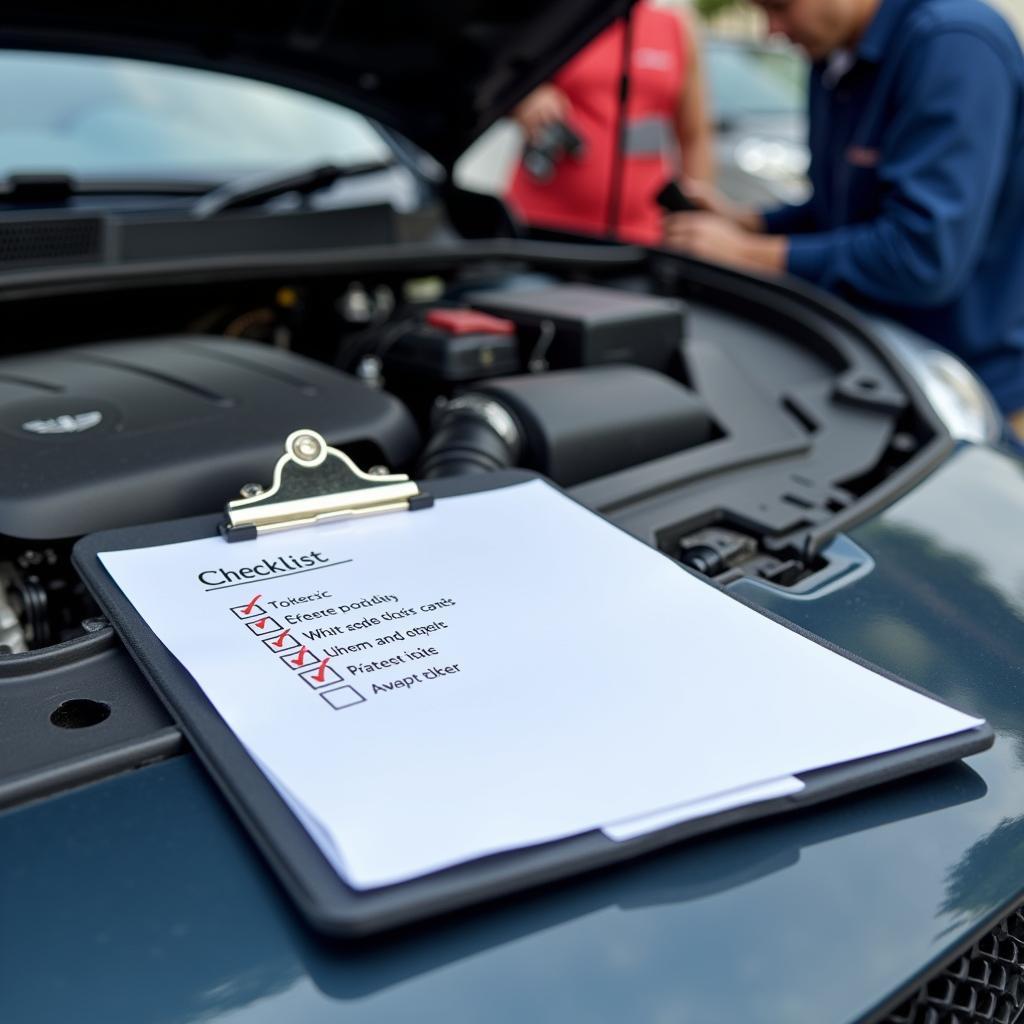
(831,914)
(439,74)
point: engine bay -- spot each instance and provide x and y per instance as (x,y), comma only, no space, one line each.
(730,423)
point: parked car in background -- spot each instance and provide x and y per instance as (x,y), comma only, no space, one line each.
(183,283)
(758,95)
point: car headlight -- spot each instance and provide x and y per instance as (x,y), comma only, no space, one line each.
(958,397)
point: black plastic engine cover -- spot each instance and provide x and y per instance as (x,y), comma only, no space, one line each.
(106,435)
(585,423)
(592,325)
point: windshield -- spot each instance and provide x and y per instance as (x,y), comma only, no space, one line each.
(747,81)
(108,118)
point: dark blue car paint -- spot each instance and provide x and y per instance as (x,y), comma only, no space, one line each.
(140,899)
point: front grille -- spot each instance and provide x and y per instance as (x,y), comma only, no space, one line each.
(53,240)
(984,986)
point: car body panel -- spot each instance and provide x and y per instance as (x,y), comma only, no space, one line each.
(140,898)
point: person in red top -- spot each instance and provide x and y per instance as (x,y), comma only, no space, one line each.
(665,133)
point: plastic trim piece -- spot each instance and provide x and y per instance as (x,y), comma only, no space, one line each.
(157,746)
(37,758)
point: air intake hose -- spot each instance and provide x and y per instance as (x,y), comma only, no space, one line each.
(474,434)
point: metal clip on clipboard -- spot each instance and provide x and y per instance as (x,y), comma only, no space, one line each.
(315,483)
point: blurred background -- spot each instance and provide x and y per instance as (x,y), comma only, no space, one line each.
(756,87)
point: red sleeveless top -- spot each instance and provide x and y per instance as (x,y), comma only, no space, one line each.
(576,198)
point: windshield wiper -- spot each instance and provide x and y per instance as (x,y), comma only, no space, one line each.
(57,187)
(253,190)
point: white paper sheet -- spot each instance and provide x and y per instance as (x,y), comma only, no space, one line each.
(745,796)
(550,675)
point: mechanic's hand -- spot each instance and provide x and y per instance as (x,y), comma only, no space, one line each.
(706,197)
(547,104)
(707,236)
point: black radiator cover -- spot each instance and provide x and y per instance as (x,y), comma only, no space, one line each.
(106,435)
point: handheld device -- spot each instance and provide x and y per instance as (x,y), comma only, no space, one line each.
(673,199)
(553,144)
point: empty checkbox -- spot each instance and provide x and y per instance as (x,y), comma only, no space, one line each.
(342,697)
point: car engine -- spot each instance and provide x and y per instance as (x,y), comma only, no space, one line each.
(604,389)
(107,435)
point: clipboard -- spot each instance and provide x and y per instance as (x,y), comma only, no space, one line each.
(314,483)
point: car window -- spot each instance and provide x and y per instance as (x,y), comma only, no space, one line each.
(113,118)
(750,81)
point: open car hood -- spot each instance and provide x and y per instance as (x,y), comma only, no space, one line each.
(439,73)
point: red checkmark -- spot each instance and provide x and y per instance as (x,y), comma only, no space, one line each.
(252,604)
(262,622)
(301,657)
(318,676)
(278,641)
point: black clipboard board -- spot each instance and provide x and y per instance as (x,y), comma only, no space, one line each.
(323,898)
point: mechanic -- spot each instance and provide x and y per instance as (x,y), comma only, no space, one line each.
(666,130)
(917,166)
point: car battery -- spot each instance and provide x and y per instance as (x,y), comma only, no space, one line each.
(453,346)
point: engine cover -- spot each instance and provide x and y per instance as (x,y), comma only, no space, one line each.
(106,435)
